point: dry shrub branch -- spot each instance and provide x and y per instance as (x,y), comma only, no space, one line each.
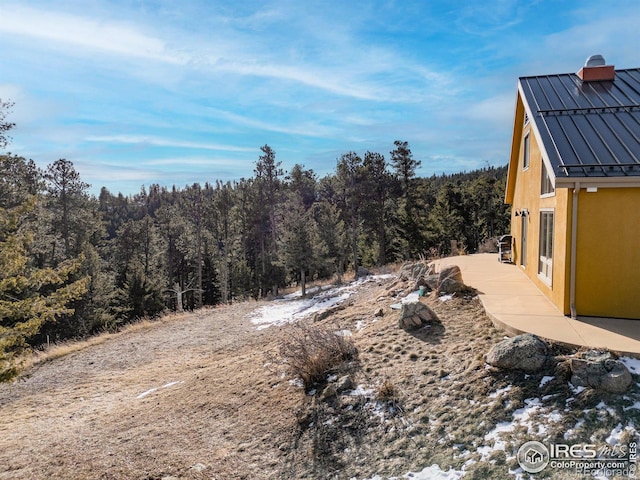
(310,353)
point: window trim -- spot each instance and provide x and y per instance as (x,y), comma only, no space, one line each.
(526,151)
(547,280)
(544,175)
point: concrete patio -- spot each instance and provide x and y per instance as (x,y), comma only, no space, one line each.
(516,305)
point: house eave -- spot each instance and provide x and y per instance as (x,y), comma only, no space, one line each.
(599,182)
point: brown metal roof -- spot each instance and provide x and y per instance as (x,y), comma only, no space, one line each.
(588,129)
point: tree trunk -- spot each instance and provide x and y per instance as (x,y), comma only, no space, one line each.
(303,281)
(178,291)
(354,246)
(199,268)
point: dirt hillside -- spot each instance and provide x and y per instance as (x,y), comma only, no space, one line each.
(206,396)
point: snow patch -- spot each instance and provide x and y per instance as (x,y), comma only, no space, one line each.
(151,390)
(545,380)
(633,364)
(434,472)
(500,391)
(293,307)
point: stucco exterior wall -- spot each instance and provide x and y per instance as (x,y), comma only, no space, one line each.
(608,257)
(527,196)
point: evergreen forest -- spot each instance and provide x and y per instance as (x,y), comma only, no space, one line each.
(73,264)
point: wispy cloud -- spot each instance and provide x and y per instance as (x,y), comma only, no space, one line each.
(188,91)
(83,33)
(165,142)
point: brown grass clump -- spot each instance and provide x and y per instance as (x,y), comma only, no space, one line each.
(310,353)
(387,391)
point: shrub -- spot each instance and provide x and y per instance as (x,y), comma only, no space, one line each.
(310,353)
(387,391)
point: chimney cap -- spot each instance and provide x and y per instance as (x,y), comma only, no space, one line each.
(595,61)
(596,70)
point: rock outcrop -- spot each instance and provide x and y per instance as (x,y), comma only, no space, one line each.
(527,353)
(600,370)
(450,281)
(415,315)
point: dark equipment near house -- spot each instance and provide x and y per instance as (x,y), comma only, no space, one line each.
(505,248)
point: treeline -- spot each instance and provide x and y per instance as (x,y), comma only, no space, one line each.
(72,264)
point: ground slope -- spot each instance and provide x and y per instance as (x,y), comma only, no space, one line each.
(205,395)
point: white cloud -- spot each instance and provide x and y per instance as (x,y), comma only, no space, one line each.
(498,110)
(83,33)
(307,129)
(200,161)
(165,142)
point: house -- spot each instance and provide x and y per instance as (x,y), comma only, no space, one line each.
(574,188)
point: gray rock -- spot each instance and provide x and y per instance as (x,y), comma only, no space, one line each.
(524,352)
(450,281)
(343,384)
(328,392)
(600,370)
(379,312)
(450,286)
(431,281)
(413,271)
(363,272)
(415,315)
(452,273)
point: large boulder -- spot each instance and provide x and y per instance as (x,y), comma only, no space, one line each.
(363,272)
(600,370)
(414,271)
(415,315)
(451,272)
(450,281)
(527,353)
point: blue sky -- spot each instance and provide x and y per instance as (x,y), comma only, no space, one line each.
(176,92)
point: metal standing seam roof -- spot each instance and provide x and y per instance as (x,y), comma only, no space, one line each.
(588,129)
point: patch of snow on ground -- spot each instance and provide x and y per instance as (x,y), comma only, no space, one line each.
(445,298)
(151,390)
(616,433)
(360,390)
(545,380)
(576,390)
(413,297)
(434,472)
(636,406)
(633,364)
(573,431)
(604,406)
(293,307)
(500,391)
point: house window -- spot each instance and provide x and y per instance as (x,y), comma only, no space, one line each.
(545,265)
(525,153)
(546,186)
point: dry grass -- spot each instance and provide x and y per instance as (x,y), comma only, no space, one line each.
(195,397)
(311,353)
(54,351)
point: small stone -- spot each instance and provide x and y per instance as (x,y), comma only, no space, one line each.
(198,467)
(328,392)
(344,383)
(379,312)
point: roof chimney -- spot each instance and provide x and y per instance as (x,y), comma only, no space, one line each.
(596,70)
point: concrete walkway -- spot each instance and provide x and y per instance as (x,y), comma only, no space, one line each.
(516,305)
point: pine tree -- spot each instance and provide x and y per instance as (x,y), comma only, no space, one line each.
(30,297)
